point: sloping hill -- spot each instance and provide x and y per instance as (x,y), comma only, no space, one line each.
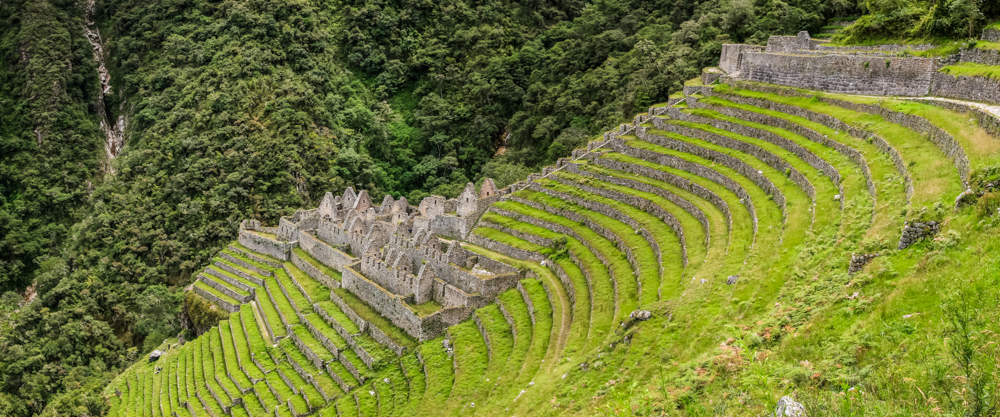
(783,240)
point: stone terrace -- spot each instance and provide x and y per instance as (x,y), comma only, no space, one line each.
(354,308)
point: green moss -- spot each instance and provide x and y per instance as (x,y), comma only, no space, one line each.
(347,405)
(298,299)
(201,312)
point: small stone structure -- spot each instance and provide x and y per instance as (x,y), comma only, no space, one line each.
(394,256)
(913,232)
(802,62)
(858,261)
(787,407)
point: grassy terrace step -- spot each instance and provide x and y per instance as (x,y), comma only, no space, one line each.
(224,389)
(501,340)
(198,363)
(416,381)
(298,301)
(313,288)
(825,185)
(542,314)
(243,348)
(471,359)
(726,251)
(217,280)
(603,278)
(330,272)
(890,189)
(625,278)
(672,264)
(583,299)
(242,256)
(742,235)
(372,317)
(760,265)
(333,310)
(283,304)
(228,351)
(347,406)
(796,198)
(934,176)
(257,344)
(213,353)
(303,388)
(213,269)
(216,293)
(440,373)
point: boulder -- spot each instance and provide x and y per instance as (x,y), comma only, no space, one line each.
(641,315)
(787,407)
(154,355)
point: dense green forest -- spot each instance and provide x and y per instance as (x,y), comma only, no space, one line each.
(240,109)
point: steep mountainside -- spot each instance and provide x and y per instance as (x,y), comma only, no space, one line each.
(218,111)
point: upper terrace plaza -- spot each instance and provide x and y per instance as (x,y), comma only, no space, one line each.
(486,300)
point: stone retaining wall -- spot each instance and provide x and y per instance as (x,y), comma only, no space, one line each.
(981,56)
(229,268)
(987,121)
(599,208)
(225,290)
(644,205)
(733,163)
(825,120)
(261,244)
(944,141)
(313,272)
(962,87)
(229,280)
(504,249)
(768,158)
(528,237)
(393,308)
(914,232)
(306,351)
(802,153)
(679,182)
(245,264)
(991,35)
(386,341)
(274,302)
(646,188)
(853,154)
(324,253)
(225,305)
(566,283)
(850,74)
(253,257)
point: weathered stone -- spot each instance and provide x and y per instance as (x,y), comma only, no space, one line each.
(787,407)
(732,279)
(641,315)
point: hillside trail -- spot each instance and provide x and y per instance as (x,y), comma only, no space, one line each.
(991,109)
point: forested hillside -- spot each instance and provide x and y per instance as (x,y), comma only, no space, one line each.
(251,109)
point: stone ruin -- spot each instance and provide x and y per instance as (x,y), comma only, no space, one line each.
(395,256)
